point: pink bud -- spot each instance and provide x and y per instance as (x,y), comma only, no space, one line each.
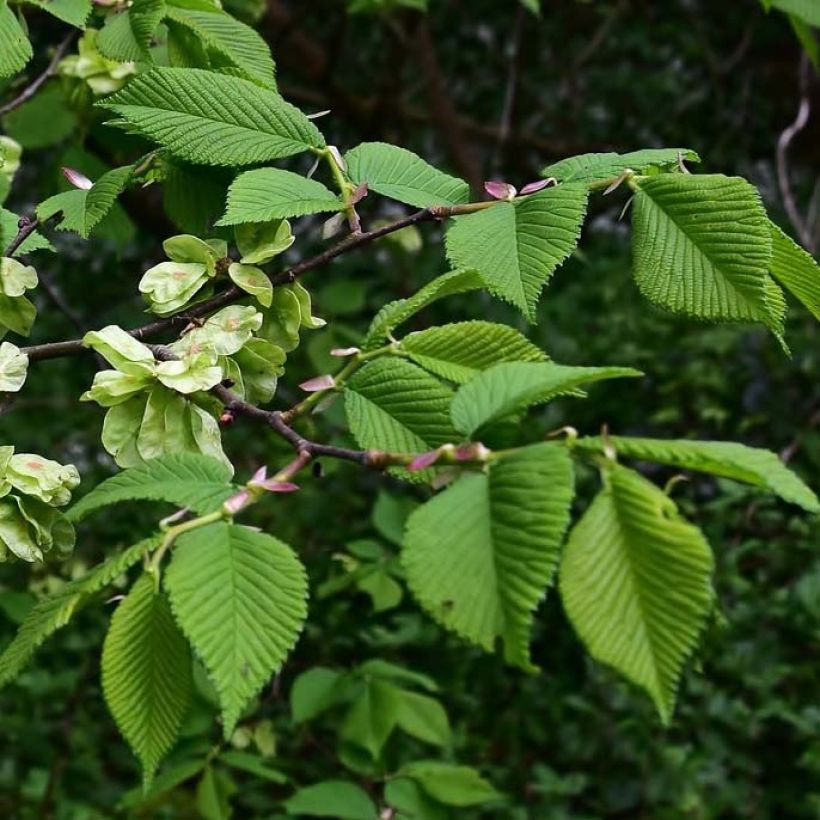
(274,486)
(260,475)
(500,190)
(359,194)
(472,452)
(237,502)
(77,179)
(342,352)
(319,383)
(424,461)
(532,187)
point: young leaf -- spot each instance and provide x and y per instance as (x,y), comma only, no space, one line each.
(516,246)
(761,468)
(126,36)
(15,49)
(511,386)
(73,12)
(449,784)
(796,270)
(806,10)
(271,193)
(254,765)
(593,167)
(411,801)
(314,692)
(54,612)
(460,351)
(240,598)
(395,313)
(480,555)
(393,405)
(238,43)
(185,479)
(401,175)
(146,674)
(332,798)
(702,247)
(213,119)
(636,584)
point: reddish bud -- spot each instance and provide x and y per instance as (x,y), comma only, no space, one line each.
(532,187)
(319,383)
(77,179)
(274,486)
(237,502)
(359,194)
(500,190)
(226,418)
(423,461)
(342,352)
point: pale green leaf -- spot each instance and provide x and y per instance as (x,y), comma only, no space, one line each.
(516,246)
(55,611)
(702,247)
(511,386)
(394,406)
(636,584)
(236,42)
(460,351)
(480,555)
(806,10)
(13,368)
(240,598)
(399,174)
(15,49)
(396,313)
(213,119)
(146,673)
(608,165)
(750,465)
(184,479)
(796,270)
(266,194)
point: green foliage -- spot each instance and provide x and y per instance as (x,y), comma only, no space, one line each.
(211,119)
(240,598)
(796,270)
(399,174)
(636,584)
(333,798)
(146,673)
(516,246)
(465,548)
(609,165)
(127,34)
(15,49)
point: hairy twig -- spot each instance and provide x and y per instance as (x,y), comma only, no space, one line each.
(30,90)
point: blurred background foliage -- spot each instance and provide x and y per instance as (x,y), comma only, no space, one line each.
(488,90)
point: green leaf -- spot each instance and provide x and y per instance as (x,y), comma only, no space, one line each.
(213,795)
(636,584)
(400,174)
(516,246)
(212,119)
(751,465)
(102,196)
(332,798)
(73,12)
(806,10)
(396,313)
(252,764)
(15,49)
(236,42)
(796,270)
(72,206)
(393,405)
(8,230)
(188,480)
(126,37)
(54,612)
(266,194)
(412,803)
(423,718)
(44,120)
(379,668)
(372,717)
(505,388)
(702,247)
(314,692)
(594,167)
(450,784)
(240,598)
(146,674)
(460,351)
(480,555)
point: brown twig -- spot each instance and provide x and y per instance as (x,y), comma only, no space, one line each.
(805,231)
(30,90)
